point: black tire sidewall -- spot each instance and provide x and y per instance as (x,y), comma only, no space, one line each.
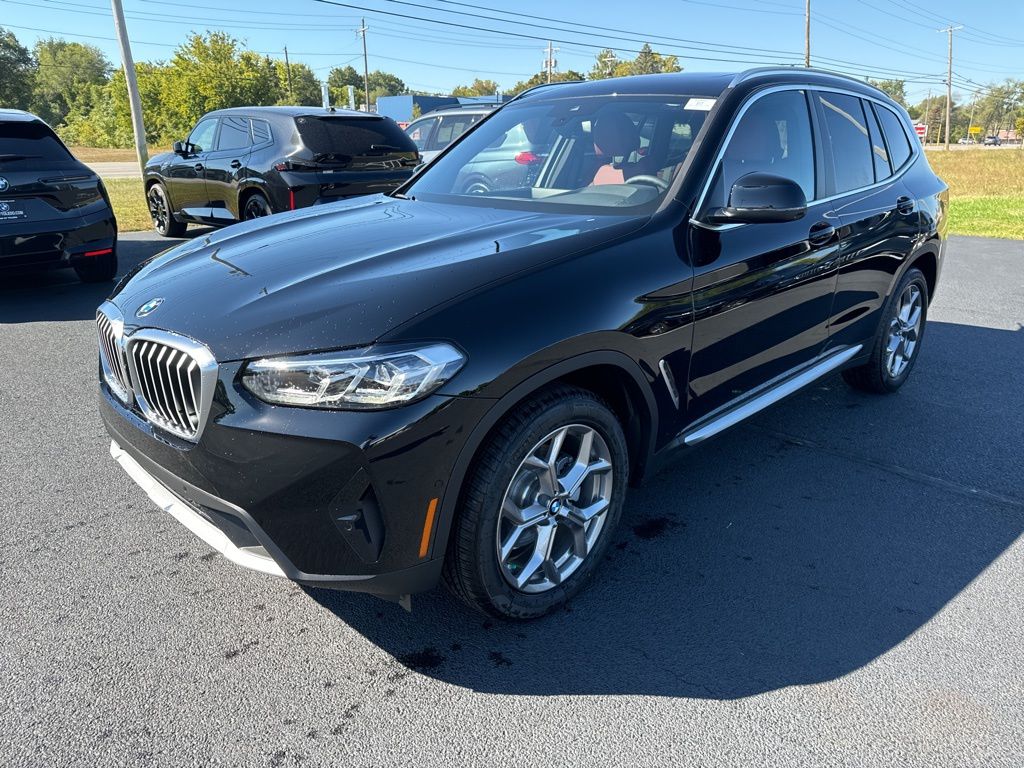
(580,409)
(170,229)
(892,383)
(249,201)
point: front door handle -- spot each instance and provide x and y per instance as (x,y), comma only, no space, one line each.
(904,205)
(199,167)
(236,163)
(821,232)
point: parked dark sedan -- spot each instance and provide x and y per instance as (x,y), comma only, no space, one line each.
(379,393)
(244,163)
(54,211)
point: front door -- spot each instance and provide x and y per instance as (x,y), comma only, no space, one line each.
(226,165)
(186,177)
(762,292)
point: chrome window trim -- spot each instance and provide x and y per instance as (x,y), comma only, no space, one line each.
(810,89)
(207,371)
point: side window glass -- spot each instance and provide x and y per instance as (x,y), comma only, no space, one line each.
(419,132)
(450,129)
(895,137)
(260,131)
(851,146)
(202,135)
(878,151)
(773,136)
(234,133)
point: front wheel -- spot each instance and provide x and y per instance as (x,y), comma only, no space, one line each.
(540,506)
(899,338)
(160,211)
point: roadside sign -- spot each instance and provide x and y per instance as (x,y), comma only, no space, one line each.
(974,129)
(921,130)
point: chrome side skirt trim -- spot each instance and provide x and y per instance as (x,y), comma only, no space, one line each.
(760,398)
(249,557)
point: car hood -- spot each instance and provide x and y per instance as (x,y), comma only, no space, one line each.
(344,274)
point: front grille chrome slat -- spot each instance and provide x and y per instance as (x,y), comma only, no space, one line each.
(171,376)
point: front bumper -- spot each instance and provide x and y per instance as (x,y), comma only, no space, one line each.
(347,500)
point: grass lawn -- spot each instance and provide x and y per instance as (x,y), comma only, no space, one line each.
(102,155)
(129,204)
(986,190)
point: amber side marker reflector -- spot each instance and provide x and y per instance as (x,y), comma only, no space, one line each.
(428,528)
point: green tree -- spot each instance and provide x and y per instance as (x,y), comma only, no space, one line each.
(17,72)
(604,65)
(540,78)
(647,62)
(477,88)
(66,71)
(338,81)
(897,89)
(305,89)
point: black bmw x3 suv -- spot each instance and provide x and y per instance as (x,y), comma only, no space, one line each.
(248,162)
(382,393)
(54,211)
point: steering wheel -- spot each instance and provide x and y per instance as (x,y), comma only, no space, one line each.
(654,181)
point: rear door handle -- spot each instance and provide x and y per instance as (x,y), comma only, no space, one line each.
(904,204)
(236,163)
(199,167)
(821,232)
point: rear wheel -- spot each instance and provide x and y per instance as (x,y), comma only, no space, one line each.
(256,207)
(97,269)
(899,338)
(160,211)
(540,506)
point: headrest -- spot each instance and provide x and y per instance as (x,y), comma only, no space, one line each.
(615,135)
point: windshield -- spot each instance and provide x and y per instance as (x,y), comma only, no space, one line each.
(602,153)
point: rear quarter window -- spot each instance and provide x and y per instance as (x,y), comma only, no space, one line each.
(895,136)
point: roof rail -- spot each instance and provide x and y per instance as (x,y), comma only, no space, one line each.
(753,72)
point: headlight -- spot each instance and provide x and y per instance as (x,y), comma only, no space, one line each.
(376,377)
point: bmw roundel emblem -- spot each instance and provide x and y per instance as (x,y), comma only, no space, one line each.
(4,184)
(149,307)
(4,206)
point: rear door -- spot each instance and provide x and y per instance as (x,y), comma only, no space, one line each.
(226,165)
(356,155)
(878,216)
(43,190)
(421,132)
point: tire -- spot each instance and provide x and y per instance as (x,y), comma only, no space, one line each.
(897,344)
(161,213)
(97,269)
(505,494)
(256,207)
(479,185)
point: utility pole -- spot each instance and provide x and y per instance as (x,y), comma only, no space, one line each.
(288,72)
(927,114)
(807,33)
(134,102)
(366,64)
(549,61)
(949,78)
(607,62)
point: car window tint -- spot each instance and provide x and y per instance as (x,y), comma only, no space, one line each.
(234,133)
(29,142)
(419,131)
(451,127)
(851,146)
(773,136)
(341,138)
(878,151)
(895,136)
(202,135)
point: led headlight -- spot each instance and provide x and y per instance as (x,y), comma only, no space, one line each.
(375,377)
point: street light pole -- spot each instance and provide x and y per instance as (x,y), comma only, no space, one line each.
(134,101)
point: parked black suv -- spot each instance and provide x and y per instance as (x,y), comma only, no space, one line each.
(54,211)
(244,163)
(435,383)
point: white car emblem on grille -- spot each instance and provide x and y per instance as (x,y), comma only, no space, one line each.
(149,307)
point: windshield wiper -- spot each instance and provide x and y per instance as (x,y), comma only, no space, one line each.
(387,148)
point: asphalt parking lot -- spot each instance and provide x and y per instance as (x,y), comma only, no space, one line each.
(837,582)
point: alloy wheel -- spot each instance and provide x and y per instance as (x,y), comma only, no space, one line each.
(256,208)
(157,209)
(904,331)
(554,508)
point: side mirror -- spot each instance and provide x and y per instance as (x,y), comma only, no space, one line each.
(178,148)
(761,198)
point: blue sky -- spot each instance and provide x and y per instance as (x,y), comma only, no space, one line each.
(887,37)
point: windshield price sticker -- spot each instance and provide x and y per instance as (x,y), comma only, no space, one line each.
(8,211)
(700,105)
